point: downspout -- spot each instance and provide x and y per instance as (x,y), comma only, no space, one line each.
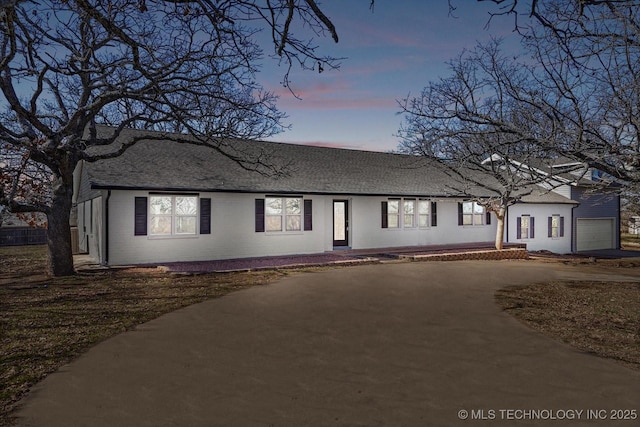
(106,228)
(506,223)
(574,244)
(619,225)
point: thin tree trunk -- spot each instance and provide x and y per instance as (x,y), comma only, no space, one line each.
(500,230)
(60,260)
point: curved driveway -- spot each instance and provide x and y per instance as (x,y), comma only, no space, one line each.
(413,344)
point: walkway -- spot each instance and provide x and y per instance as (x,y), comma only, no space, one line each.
(412,344)
(340,256)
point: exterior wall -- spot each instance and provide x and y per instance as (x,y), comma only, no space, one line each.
(90,228)
(82,190)
(232,235)
(82,223)
(596,206)
(541,213)
(368,233)
(563,190)
(233,232)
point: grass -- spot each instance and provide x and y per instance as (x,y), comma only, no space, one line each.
(46,322)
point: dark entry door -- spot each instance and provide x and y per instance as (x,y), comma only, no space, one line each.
(340,223)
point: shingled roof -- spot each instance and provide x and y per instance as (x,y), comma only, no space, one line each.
(163,165)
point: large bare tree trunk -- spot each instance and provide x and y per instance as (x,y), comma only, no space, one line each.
(500,230)
(60,260)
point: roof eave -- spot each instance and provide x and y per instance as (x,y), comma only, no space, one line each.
(97,186)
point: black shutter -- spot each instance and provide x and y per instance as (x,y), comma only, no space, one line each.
(561,226)
(460,216)
(488,218)
(519,228)
(259,215)
(532,227)
(550,226)
(385,216)
(205,216)
(434,214)
(308,215)
(140,216)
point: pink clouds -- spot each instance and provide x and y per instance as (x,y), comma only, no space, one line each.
(390,53)
(341,101)
(338,94)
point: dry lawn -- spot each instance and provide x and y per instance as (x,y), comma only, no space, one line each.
(598,317)
(45,322)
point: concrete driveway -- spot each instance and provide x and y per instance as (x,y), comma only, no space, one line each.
(413,344)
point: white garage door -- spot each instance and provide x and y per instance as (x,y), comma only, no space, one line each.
(595,233)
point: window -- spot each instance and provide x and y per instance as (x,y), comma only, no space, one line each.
(556,226)
(525,227)
(172,215)
(283,214)
(408,213)
(471,213)
(393,214)
(423,213)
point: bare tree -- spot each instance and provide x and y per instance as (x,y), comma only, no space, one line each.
(183,66)
(587,57)
(575,92)
(473,123)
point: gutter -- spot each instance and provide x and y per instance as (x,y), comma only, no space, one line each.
(279,192)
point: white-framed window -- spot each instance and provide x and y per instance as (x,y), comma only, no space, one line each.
(283,214)
(393,213)
(424,212)
(525,227)
(173,215)
(407,213)
(472,214)
(556,226)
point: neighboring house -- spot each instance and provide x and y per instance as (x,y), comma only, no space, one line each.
(591,223)
(164,201)
(634,225)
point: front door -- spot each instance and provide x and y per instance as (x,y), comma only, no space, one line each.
(340,223)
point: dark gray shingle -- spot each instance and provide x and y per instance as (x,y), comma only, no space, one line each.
(167,165)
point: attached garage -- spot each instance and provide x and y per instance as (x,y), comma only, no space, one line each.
(595,233)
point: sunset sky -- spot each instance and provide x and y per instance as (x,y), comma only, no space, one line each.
(391,52)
